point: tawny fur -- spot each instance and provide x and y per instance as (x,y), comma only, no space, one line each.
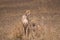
(25,20)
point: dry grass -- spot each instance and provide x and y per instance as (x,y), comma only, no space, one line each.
(45,14)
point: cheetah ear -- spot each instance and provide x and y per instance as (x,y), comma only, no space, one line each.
(28,12)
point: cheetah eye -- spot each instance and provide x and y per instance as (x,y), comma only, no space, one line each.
(33,25)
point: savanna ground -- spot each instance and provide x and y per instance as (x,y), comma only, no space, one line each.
(44,13)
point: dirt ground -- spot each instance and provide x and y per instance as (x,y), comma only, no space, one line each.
(45,14)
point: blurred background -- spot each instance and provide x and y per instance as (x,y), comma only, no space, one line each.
(44,13)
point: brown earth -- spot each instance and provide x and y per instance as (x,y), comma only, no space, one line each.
(44,13)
